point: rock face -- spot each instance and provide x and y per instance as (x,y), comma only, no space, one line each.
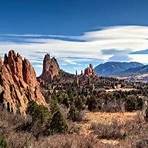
(50,69)
(19,84)
(89,71)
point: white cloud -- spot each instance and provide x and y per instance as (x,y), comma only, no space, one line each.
(119,32)
(139,58)
(41,36)
(88,45)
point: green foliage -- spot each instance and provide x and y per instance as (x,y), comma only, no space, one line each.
(54,105)
(3,143)
(40,117)
(92,103)
(70,93)
(74,114)
(66,102)
(57,124)
(38,112)
(133,103)
(63,98)
(146,114)
(79,103)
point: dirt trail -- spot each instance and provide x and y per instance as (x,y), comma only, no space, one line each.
(120,89)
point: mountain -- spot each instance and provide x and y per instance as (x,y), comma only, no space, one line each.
(115,68)
(141,52)
(135,71)
(18,84)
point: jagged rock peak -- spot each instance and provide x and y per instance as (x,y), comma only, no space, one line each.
(89,71)
(46,62)
(1,62)
(50,69)
(29,74)
(19,83)
(47,57)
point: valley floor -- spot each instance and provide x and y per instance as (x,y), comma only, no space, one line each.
(104,118)
(96,130)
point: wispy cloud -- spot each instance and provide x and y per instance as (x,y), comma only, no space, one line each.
(98,44)
(115,51)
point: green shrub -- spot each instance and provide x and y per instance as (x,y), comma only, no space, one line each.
(74,114)
(79,103)
(142,143)
(54,106)
(92,103)
(146,115)
(40,117)
(133,103)
(38,112)
(3,143)
(57,124)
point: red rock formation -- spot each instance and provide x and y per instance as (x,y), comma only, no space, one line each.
(50,69)
(19,83)
(89,71)
(1,62)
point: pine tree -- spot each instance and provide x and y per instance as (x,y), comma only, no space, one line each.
(92,103)
(54,105)
(79,103)
(74,114)
(38,112)
(57,124)
(3,143)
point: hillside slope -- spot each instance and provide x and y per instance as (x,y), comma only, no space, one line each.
(115,68)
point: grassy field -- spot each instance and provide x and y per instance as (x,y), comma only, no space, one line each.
(129,123)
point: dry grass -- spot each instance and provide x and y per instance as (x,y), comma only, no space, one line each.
(117,129)
(111,131)
(131,122)
(106,118)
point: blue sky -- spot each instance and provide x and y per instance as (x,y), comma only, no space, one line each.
(77,32)
(69,17)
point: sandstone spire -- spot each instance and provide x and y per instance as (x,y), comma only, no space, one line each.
(89,71)
(50,69)
(19,83)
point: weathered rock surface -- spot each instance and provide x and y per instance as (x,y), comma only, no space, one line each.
(19,83)
(89,71)
(50,71)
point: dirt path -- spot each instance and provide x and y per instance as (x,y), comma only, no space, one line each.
(120,89)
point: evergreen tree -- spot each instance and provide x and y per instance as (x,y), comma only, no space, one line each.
(38,112)
(3,143)
(74,114)
(92,103)
(54,106)
(66,102)
(57,124)
(79,103)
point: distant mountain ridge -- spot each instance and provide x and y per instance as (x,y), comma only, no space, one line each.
(141,52)
(116,68)
(135,71)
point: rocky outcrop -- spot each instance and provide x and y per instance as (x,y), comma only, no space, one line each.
(50,71)
(89,71)
(1,62)
(19,83)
